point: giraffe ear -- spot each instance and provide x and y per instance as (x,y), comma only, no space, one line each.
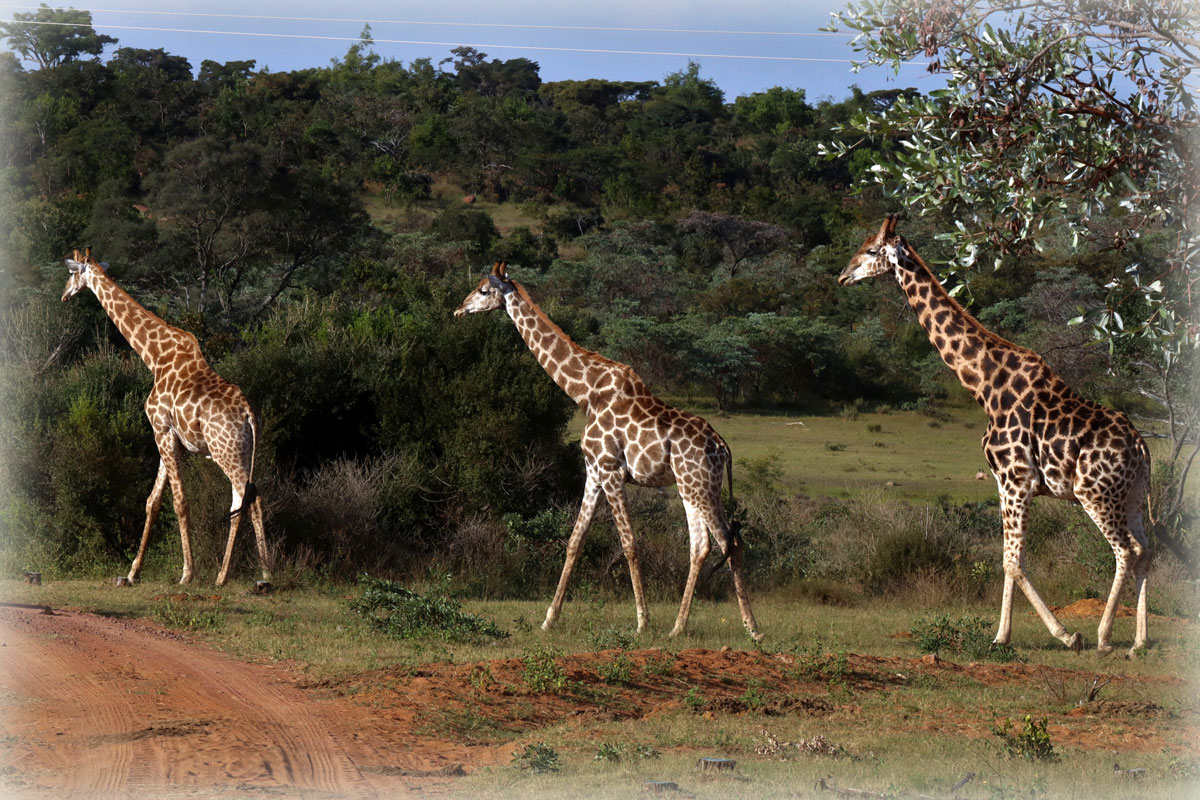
(889,224)
(499,269)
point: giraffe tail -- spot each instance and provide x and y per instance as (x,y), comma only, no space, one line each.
(249,495)
(735,525)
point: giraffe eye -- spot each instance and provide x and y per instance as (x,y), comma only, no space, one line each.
(484,290)
(872,252)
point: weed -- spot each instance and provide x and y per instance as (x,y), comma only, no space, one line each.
(694,700)
(609,639)
(537,757)
(481,678)
(1032,741)
(619,671)
(542,672)
(813,663)
(607,752)
(835,447)
(659,667)
(874,427)
(644,751)
(178,615)
(404,614)
(753,697)
(967,636)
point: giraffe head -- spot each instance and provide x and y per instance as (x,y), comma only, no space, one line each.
(81,266)
(490,293)
(877,256)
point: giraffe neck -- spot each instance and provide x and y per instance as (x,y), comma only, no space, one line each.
(983,362)
(141,328)
(562,359)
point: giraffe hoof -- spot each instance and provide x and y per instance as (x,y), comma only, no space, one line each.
(755,635)
(122,581)
(1075,643)
(1103,648)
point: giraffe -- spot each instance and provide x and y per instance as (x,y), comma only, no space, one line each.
(190,407)
(630,437)
(1042,438)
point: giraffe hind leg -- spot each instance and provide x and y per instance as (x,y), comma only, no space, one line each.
(698,548)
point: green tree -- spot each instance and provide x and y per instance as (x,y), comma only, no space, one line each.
(51,36)
(1063,119)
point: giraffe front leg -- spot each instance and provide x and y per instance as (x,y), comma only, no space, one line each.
(1015,493)
(170,450)
(153,504)
(1004,631)
(587,508)
(698,548)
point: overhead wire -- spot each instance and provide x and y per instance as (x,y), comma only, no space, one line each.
(377,40)
(369,21)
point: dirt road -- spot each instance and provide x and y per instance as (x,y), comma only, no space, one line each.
(92,706)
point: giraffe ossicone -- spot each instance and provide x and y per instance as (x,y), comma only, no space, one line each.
(190,407)
(1042,437)
(630,437)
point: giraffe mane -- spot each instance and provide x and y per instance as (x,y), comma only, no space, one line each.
(983,330)
(524,295)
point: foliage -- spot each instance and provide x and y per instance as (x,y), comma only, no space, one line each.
(1031,741)
(618,672)
(541,671)
(401,613)
(966,636)
(537,757)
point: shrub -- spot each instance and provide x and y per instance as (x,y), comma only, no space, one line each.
(1032,741)
(541,672)
(968,636)
(537,757)
(404,614)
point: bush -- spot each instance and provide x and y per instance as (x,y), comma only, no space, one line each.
(1032,741)
(404,614)
(967,636)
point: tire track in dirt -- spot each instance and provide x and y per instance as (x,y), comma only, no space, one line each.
(99,707)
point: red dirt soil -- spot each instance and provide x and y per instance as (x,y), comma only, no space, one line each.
(95,706)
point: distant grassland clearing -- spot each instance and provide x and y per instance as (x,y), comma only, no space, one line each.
(924,458)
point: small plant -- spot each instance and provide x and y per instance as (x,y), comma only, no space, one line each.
(481,678)
(1032,741)
(178,615)
(618,672)
(537,757)
(753,698)
(874,427)
(694,700)
(542,672)
(609,639)
(659,667)
(835,447)
(967,636)
(607,752)
(644,751)
(403,614)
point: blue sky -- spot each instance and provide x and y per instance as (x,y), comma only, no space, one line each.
(775,23)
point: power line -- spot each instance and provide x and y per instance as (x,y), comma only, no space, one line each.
(451,24)
(541,48)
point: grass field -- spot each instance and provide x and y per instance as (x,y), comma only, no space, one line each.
(844,682)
